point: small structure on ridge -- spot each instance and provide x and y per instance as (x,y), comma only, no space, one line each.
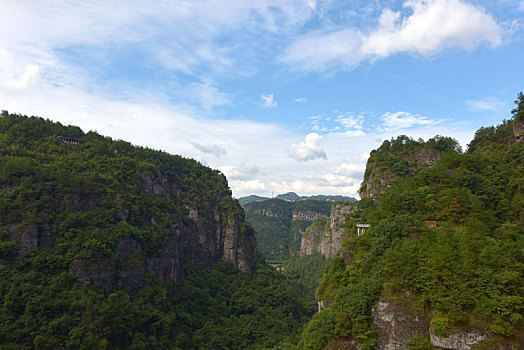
(69,140)
(361,228)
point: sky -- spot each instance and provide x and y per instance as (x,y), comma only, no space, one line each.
(279,95)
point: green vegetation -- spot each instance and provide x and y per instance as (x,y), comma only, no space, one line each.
(307,269)
(279,224)
(63,210)
(467,271)
(219,308)
(399,158)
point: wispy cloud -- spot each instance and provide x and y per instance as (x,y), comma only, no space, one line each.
(352,125)
(244,171)
(248,186)
(485,104)
(301,100)
(310,149)
(269,100)
(429,27)
(404,120)
(349,123)
(216,150)
(206,95)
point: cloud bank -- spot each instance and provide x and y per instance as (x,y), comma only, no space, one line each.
(424,27)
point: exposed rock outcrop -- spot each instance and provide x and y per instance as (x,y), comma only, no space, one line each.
(196,229)
(347,343)
(307,215)
(280,224)
(379,179)
(24,237)
(518,130)
(465,340)
(325,235)
(396,325)
(99,271)
(131,264)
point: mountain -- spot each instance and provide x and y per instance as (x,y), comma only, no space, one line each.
(331,198)
(292,196)
(442,262)
(105,245)
(399,158)
(325,235)
(251,198)
(279,224)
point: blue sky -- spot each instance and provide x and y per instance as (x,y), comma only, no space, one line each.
(280,95)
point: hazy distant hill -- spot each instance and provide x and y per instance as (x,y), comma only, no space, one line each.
(251,198)
(292,196)
(279,224)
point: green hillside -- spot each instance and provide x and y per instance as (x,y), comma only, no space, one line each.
(279,224)
(104,245)
(466,276)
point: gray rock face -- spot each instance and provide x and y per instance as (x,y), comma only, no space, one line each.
(307,215)
(380,180)
(24,237)
(459,341)
(100,272)
(199,231)
(518,130)
(344,344)
(213,233)
(326,235)
(131,265)
(395,325)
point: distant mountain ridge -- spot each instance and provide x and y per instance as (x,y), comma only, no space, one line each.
(279,224)
(292,196)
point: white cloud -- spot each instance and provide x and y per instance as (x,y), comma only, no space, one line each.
(430,27)
(247,186)
(301,100)
(244,171)
(521,5)
(269,100)
(193,26)
(338,180)
(352,125)
(18,82)
(349,169)
(433,26)
(364,156)
(310,149)
(320,51)
(343,175)
(214,149)
(485,104)
(206,95)
(402,120)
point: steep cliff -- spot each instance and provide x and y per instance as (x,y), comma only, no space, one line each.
(325,235)
(518,118)
(279,224)
(405,284)
(400,158)
(114,211)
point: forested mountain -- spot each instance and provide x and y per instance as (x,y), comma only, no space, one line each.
(279,224)
(292,196)
(443,261)
(104,245)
